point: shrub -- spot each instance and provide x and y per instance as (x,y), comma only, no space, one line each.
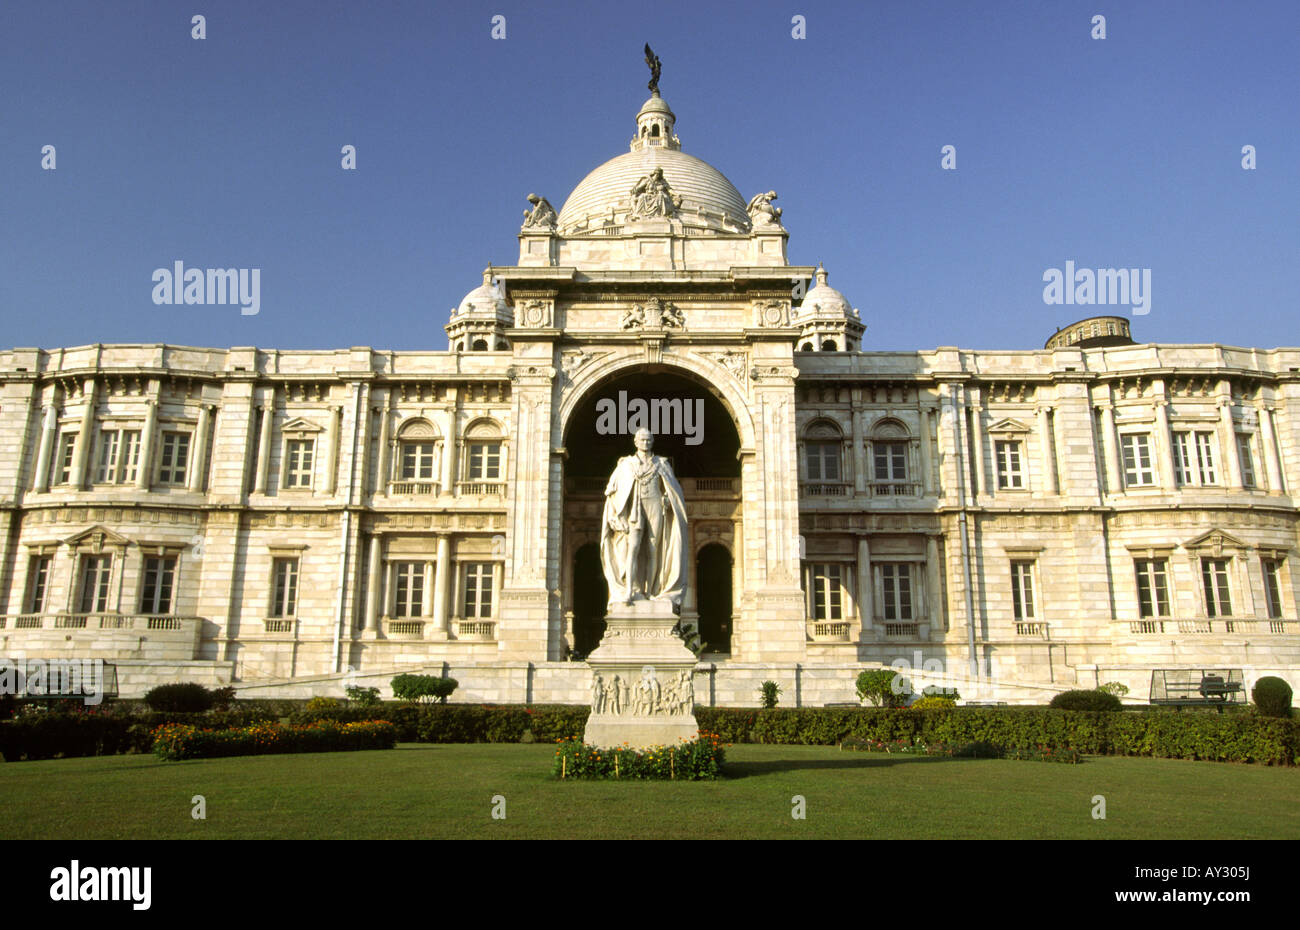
(950,694)
(416,688)
(223,698)
(1097,700)
(183,741)
(362,697)
(323,703)
(877,686)
(768,692)
(1114,687)
(691,760)
(1272,697)
(7,706)
(931,701)
(182,697)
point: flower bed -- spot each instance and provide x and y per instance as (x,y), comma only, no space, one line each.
(691,760)
(185,741)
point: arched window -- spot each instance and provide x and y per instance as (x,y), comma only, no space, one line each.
(484,465)
(829,346)
(806,347)
(503,346)
(417,459)
(823,443)
(480,345)
(889,458)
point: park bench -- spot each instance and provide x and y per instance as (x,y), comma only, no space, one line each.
(1189,688)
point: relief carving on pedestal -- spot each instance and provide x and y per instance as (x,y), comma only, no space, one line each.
(649,696)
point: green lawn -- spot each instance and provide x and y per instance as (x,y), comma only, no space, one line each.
(426,791)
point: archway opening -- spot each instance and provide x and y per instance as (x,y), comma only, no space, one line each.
(590,599)
(713,571)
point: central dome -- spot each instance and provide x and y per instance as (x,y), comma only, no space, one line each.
(603,197)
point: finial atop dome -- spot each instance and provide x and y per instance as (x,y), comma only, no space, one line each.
(821,275)
(652,60)
(487,275)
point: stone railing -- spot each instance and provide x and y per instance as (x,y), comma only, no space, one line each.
(278,625)
(404,628)
(825,489)
(476,630)
(892,628)
(702,486)
(1219,625)
(481,488)
(894,489)
(102,635)
(410,487)
(828,631)
(1036,628)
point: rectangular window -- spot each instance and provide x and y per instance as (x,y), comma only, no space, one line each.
(1022,590)
(1193,458)
(106,472)
(417,461)
(827,596)
(95,570)
(485,461)
(174,458)
(1153,587)
(63,468)
(298,466)
(823,460)
(1214,575)
(284,593)
(896,591)
(1008,459)
(130,455)
(409,589)
(156,585)
(1247,457)
(38,582)
(889,461)
(478,590)
(1273,587)
(1136,448)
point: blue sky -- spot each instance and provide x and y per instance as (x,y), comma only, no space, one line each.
(224,152)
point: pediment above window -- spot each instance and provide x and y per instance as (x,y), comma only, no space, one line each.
(1008,426)
(97,539)
(1216,541)
(300,427)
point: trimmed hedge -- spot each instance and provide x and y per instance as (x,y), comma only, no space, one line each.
(1086,700)
(1214,737)
(464,723)
(183,697)
(81,733)
(176,741)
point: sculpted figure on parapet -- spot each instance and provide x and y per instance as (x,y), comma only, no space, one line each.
(761,211)
(541,215)
(653,197)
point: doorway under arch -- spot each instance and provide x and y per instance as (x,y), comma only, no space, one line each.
(713,571)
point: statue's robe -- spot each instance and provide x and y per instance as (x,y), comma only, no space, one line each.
(621,497)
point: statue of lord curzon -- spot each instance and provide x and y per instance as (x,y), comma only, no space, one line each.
(643,529)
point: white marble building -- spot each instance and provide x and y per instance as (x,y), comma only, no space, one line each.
(291,521)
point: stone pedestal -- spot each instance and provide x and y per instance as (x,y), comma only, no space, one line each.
(642,682)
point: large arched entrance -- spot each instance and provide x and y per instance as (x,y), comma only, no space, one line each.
(696,432)
(714,572)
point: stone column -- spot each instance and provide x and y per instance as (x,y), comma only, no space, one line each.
(927,480)
(264,447)
(1045,447)
(1164,443)
(441,579)
(382,468)
(934,597)
(332,459)
(1228,443)
(1272,464)
(1110,448)
(373,584)
(449,460)
(199,470)
(426,608)
(498,572)
(144,472)
(81,452)
(864,585)
(977,435)
(858,461)
(41,480)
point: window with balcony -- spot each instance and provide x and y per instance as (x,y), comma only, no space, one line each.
(63,465)
(284,587)
(95,572)
(1214,577)
(1022,590)
(417,462)
(478,590)
(822,459)
(1273,587)
(300,455)
(173,458)
(1136,451)
(408,589)
(157,583)
(1008,458)
(38,583)
(824,589)
(1193,458)
(1152,587)
(485,461)
(889,461)
(1246,455)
